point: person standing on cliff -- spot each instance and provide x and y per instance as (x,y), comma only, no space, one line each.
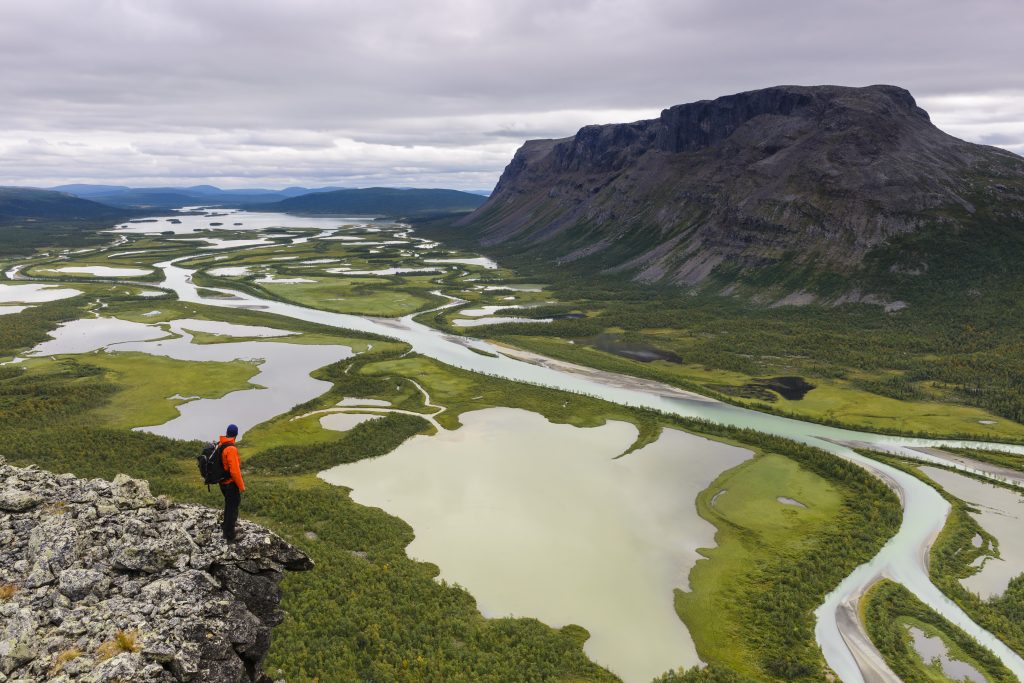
(233,486)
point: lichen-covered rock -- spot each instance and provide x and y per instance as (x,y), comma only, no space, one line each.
(18,501)
(107,583)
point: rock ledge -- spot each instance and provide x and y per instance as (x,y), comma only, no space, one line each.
(102,582)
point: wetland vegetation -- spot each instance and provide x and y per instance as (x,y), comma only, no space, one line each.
(955,556)
(947,364)
(372,612)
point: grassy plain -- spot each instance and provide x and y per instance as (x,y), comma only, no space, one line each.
(834,400)
(147,383)
(754,528)
(360,296)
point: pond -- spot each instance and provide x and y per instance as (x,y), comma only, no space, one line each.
(229,329)
(489,504)
(229,271)
(34,293)
(342,422)
(282,382)
(103,271)
(480,261)
(1000,513)
(634,350)
(932,649)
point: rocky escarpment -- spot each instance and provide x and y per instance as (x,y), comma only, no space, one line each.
(102,582)
(814,177)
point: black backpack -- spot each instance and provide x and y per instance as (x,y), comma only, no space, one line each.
(211,463)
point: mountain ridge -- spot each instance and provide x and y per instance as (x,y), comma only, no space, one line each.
(719,193)
(390,201)
(18,203)
(177,197)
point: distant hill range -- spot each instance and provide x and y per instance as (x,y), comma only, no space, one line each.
(31,218)
(177,197)
(71,215)
(802,192)
(25,203)
(367,201)
(388,201)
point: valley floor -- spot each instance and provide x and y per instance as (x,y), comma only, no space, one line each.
(790,523)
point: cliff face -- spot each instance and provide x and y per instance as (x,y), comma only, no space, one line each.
(806,175)
(101,582)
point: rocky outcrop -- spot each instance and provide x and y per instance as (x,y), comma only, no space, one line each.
(807,177)
(102,582)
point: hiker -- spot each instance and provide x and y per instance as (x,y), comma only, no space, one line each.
(233,486)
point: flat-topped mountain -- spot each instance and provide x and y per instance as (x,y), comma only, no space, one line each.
(784,187)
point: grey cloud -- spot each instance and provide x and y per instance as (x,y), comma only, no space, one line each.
(1002,139)
(193,89)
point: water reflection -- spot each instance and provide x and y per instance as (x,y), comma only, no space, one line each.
(540,519)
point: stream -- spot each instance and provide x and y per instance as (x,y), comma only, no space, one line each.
(903,559)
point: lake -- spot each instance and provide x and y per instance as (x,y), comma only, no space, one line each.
(541,519)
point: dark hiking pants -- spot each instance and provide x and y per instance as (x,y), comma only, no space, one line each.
(232,499)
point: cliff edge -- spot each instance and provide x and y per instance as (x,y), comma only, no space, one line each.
(102,582)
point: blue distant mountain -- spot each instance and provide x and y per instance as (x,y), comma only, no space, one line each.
(381,201)
(177,197)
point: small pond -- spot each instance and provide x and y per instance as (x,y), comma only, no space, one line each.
(1000,513)
(931,649)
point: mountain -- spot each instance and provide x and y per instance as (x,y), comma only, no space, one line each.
(826,188)
(387,201)
(31,218)
(20,203)
(87,190)
(177,197)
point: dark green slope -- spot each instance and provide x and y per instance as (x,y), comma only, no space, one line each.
(31,218)
(19,203)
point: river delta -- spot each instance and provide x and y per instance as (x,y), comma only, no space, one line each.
(590,524)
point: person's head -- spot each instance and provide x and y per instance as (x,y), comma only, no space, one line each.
(232,431)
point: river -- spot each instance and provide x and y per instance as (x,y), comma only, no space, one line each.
(903,559)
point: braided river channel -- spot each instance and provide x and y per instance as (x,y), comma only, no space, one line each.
(903,559)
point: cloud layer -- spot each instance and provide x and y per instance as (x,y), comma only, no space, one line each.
(441,92)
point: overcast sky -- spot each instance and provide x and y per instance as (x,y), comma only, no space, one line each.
(440,93)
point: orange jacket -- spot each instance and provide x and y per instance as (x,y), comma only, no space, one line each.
(232,463)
